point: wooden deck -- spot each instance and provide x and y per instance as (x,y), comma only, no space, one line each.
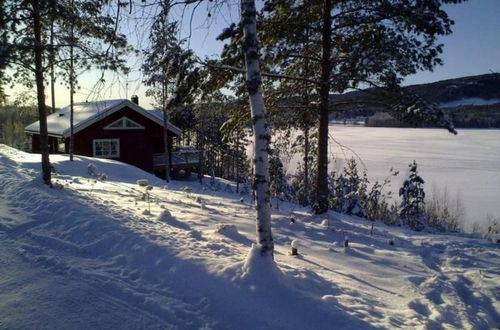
(180,159)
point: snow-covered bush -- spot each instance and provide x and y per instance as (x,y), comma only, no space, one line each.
(444,214)
(299,192)
(412,207)
(278,184)
(165,216)
(226,229)
(142,182)
(348,192)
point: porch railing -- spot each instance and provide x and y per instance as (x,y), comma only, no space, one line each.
(184,157)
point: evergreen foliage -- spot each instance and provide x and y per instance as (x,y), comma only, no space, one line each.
(412,207)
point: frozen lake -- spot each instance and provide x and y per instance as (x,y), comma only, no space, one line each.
(467,164)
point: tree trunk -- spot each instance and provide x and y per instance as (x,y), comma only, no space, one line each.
(262,136)
(321,204)
(71,93)
(40,89)
(237,162)
(165,142)
(52,69)
(306,166)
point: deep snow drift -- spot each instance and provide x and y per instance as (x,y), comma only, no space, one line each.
(93,254)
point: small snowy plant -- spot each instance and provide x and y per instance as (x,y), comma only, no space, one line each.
(92,170)
(226,229)
(187,190)
(146,195)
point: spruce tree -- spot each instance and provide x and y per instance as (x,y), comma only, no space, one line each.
(412,207)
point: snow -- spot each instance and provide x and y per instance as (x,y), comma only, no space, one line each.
(468,101)
(85,256)
(85,113)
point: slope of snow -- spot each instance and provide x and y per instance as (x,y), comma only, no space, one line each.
(94,255)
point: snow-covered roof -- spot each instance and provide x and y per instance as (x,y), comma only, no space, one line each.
(88,113)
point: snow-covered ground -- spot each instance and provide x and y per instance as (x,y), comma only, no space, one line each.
(467,165)
(91,256)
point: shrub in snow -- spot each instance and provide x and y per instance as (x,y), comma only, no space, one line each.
(142,182)
(165,216)
(412,207)
(92,171)
(228,188)
(444,214)
(75,180)
(278,185)
(391,241)
(353,190)
(145,196)
(57,184)
(226,229)
(325,223)
(146,212)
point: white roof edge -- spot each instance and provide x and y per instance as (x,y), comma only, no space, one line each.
(38,132)
(94,119)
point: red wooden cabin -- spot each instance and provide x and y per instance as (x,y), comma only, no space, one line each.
(116,129)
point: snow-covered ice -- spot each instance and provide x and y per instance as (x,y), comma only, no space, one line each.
(87,257)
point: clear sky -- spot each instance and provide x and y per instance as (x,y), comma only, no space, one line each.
(473,48)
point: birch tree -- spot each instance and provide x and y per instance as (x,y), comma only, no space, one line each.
(262,135)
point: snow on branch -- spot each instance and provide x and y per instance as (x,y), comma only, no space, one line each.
(414,110)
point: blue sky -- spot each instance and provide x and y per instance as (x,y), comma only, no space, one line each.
(473,48)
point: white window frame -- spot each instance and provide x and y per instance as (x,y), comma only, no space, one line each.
(117,155)
(123,127)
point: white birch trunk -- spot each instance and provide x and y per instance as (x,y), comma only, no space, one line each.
(262,135)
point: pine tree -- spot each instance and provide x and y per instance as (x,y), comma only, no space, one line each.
(412,207)
(170,71)
(369,43)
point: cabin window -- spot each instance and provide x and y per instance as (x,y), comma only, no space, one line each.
(107,148)
(124,123)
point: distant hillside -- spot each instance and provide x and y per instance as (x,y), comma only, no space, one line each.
(472,101)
